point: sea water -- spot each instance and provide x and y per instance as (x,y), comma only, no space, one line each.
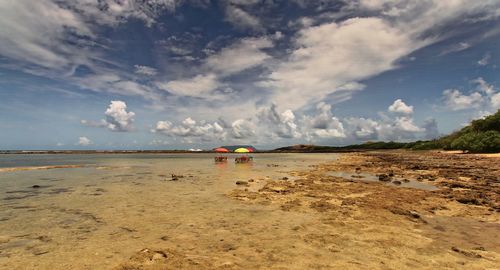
(108,206)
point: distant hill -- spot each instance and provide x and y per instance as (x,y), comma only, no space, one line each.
(480,136)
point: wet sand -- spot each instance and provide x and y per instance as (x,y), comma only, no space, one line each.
(318,212)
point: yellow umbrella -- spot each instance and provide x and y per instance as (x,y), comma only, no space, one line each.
(241,150)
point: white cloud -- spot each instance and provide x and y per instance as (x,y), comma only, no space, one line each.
(242,129)
(495,101)
(282,125)
(36,32)
(57,35)
(243,54)
(455,100)
(112,12)
(363,128)
(198,86)
(484,96)
(322,124)
(457,48)
(483,86)
(400,127)
(332,55)
(117,117)
(190,128)
(145,70)
(431,129)
(242,19)
(400,107)
(485,60)
(84,141)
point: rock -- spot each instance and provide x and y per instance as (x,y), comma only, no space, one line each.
(176,177)
(469,200)
(403,212)
(414,214)
(164,238)
(466,253)
(396,182)
(406,180)
(384,178)
(35,186)
(284,178)
(241,183)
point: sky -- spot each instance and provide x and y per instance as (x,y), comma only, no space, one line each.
(182,74)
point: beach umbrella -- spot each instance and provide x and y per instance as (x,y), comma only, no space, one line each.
(221,150)
(242,150)
(250,149)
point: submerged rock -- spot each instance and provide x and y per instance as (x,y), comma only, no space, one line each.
(241,183)
(384,178)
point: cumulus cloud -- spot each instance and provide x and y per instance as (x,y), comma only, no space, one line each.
(117,118)
(242,129)
(282,125)
(84,141)
(455,100)
(484,86)
(323,124)
(400,107)
(431,128)
(484,98)
(363,129)
(495,101)
(398,127)
(190,128)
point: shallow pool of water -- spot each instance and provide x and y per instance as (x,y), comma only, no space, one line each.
(403,182)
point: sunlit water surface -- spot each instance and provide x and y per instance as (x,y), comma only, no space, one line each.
(96,216)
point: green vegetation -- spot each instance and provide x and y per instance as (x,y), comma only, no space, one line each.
(481,136)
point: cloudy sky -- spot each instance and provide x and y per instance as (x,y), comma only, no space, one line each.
(178,74)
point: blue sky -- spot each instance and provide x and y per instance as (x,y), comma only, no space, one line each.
(180,74)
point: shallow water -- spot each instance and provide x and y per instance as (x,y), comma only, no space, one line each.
(96,216)
(409,183)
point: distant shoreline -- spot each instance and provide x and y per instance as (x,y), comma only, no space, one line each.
(42,152)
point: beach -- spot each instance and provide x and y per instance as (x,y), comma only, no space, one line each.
(367,210)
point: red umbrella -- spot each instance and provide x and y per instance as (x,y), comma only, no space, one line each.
(250,149)
(221,150)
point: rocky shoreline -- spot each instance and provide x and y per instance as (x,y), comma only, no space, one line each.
(382,224)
